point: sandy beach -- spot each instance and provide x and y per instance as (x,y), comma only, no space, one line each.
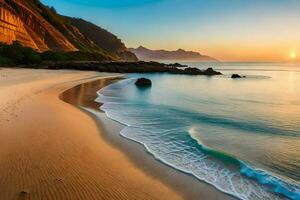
(50,149)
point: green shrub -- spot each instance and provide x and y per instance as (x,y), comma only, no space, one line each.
(19,54)
(31,57)
(16,54)
(4,61)
(53,56)
(13,52)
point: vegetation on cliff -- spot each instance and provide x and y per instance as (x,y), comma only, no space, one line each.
(16,54)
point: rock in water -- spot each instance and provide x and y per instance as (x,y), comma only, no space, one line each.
(235,76)
(210,72)
(144,82)
(192,70)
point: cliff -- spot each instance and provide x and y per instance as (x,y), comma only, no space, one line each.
(103,39)
(19,22)
(35,25)
(158,55)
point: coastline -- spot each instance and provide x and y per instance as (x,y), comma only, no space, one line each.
(83,96)
(52,150)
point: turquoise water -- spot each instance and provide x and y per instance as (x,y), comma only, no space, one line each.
(241,136)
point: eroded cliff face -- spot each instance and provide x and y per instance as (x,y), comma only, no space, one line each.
(20,23)
(12,29)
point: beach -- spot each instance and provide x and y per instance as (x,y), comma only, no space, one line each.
(50,149)
(104,100)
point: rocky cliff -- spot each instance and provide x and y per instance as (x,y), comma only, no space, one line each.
(162,55)
(12,28)
(35,25)
(103,39)
(21,23)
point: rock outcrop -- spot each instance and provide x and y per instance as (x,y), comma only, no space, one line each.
(127,67)
(143,82)
(195,71)
(234,76)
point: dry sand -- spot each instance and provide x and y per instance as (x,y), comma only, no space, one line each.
(51,150)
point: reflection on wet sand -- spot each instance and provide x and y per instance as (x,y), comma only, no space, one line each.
(85,94)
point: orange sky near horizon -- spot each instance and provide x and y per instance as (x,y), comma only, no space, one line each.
(241,52)
(276,43)
(224,51)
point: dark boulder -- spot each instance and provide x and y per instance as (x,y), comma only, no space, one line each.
(210,72)
(143,82)
(177,65)
(234,76)
(192,70)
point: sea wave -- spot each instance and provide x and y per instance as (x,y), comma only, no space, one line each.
(274,183)
(279,186)
(173,144)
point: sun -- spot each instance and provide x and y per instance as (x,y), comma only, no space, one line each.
(293,55)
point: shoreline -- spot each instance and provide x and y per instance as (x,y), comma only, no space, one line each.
(188,186)
(52,150)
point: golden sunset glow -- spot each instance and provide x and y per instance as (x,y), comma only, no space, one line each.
(293,55)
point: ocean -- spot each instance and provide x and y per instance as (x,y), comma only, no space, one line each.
(240,135)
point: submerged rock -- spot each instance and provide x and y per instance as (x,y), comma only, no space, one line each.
(144,82)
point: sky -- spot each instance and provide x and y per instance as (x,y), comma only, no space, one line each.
(229,30)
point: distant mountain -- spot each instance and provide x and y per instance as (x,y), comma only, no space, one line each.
(157,55)
(40,27)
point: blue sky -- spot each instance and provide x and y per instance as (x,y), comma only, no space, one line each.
(226,29)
